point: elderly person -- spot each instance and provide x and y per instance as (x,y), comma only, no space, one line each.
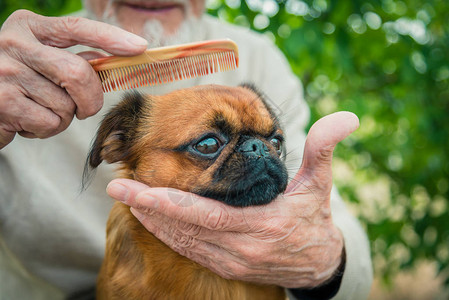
(52,236)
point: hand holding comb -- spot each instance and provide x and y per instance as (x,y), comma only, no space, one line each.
(166,64)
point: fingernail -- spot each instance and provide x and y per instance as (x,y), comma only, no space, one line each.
(147,200)
(137,40)
(118,191)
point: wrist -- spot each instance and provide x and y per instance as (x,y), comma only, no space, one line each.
(326,290)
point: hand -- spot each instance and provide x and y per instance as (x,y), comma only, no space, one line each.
(42,86)
(291,242)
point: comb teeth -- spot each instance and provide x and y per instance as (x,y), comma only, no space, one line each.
(159,72)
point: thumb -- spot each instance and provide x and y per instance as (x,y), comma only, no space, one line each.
(125,190)
(322,138)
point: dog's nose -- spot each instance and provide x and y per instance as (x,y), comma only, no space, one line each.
(254,148)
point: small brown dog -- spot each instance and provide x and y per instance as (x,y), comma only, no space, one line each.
(219,142)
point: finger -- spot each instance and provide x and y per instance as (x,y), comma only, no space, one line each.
(181,236)
(6,137)
(177,228)
(125,190)
(168,231)
(322,138)
(204,253)
(208,213)
(64,32)
(178,205)
(37,88)
(70,72)
(21,114)
(31,105)
(193,209)
(66,70)
(88,55)
(36,49)
(241,262)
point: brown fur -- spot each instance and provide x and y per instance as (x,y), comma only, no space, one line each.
(143,135)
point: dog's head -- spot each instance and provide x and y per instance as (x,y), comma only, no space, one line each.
(219,142)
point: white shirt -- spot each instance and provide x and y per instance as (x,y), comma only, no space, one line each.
(52,235)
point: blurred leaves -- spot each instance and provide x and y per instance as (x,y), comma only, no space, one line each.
(388,62)
(46,7)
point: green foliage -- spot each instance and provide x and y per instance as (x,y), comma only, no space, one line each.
(388,62)
(46,7)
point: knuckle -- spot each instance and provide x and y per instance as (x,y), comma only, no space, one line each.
(18,15)
(325,154)
(218,219)
(8,69)
(22,13)
(9,41)
(75,71)
(71,23)
(78,75)
(144,209)
(189,229)
(93,107)
(183,241)
(18,20)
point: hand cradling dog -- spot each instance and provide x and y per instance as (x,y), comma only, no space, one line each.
(219,142)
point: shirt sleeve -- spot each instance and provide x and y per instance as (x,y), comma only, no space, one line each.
(281,84)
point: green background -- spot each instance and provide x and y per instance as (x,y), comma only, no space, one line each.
(388,62)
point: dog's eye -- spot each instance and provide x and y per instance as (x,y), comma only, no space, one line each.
(277,144)
(208,146)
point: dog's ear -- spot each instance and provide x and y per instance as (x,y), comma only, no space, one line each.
(116,134)
(269,105)
(252,87)
(117,131)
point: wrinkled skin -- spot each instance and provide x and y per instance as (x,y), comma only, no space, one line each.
(42,87)
(291,242)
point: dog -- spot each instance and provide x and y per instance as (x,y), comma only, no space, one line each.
(220,142)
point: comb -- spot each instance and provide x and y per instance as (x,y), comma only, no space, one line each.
(166,64)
